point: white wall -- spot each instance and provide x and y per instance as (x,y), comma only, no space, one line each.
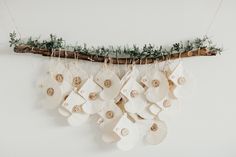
(205,126)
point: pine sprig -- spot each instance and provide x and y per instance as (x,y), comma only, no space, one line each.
(147,51)
(13,40)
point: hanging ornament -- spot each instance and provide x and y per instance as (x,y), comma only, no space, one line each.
(177,76)
(55,67)
(110,83)
(51,92)
(131,73)
(72,108)
(128,133)
(157,84)
(180,80)
(157,132)
(90,91)
(59,73)
(76,75)
(168,107)
(73,102)
(109,116)
(133,91)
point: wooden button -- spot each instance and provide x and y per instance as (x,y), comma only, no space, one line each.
(154,127)
(166,103)
(181,80)
(92,96)
(59,78)
(109,114)
(107,83)
(133,93)
(189,53)
(76,109)
(50,91)
(155,83)
(124,132)
(76,81)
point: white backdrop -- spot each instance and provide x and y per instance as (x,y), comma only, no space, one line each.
(205,126)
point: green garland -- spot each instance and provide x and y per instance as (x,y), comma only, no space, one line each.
(147,51)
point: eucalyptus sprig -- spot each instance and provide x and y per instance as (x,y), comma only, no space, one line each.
(147,51)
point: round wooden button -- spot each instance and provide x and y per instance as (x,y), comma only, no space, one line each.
(155,83)
(166,103)
(92,96)
(124,132)
(109,114)
(133,93)
(181,80)
(76,109)
(59,78)
(76,81)
(107,83)
(189,53)
(50,91)
(154,127)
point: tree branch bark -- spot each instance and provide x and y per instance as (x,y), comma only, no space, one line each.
(95,58)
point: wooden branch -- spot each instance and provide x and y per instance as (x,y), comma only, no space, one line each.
(95,58)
